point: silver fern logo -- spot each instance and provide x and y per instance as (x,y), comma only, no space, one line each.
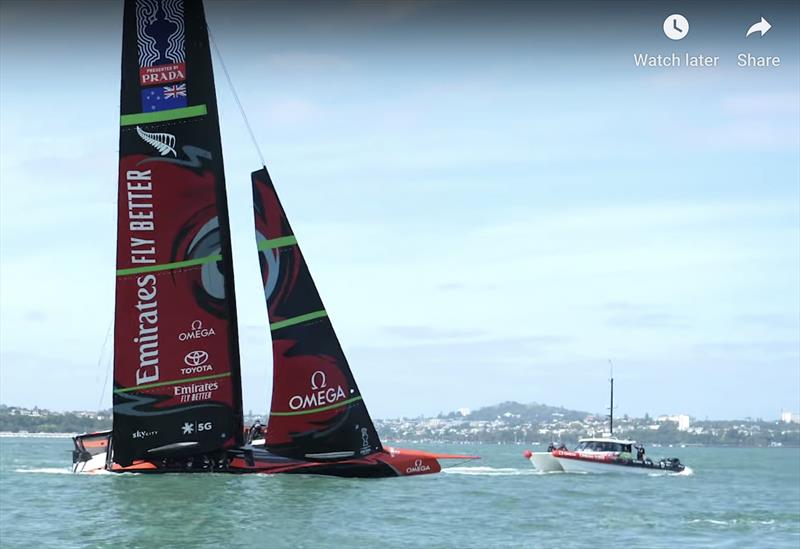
(164,143)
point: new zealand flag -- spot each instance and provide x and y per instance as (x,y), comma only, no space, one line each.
(162,98)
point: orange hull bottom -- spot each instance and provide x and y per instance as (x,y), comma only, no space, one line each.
(392,462)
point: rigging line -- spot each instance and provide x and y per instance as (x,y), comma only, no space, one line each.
(457,463)
(100,360)
(235,96)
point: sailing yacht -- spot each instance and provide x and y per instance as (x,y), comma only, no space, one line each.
(177,399)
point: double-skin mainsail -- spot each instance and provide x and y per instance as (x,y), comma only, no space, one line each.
(176,364)
(177,385)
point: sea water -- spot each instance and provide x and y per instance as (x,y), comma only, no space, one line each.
(731,498)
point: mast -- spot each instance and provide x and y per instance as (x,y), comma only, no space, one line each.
(611,408)
(177,388)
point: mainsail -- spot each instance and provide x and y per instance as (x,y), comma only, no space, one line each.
(317,410)
(177,384)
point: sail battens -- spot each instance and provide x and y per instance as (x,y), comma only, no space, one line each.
(280,242)
(320,409)
(173,382)
(170,266)
(163,116)
(298,320)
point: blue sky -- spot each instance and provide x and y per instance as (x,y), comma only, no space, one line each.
(493,202)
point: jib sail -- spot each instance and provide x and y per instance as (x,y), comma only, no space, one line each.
(317,411)
(177,385)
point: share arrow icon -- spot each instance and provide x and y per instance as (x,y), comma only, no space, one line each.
(762,26)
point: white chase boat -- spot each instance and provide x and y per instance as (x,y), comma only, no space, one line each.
(612,455)
(602,455)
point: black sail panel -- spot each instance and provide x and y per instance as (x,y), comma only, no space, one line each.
(317,410)
(177,385)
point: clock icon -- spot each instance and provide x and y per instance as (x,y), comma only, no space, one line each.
(676,26)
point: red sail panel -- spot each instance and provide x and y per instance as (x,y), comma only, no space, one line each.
(317,410)
(176,364)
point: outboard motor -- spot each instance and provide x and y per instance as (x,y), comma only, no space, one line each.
(675,464)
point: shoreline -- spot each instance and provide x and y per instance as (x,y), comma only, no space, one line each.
(26,434)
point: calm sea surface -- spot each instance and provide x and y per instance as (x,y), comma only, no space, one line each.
(733,498)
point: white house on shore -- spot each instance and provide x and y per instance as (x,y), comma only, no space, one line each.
(682,420)
(789,417)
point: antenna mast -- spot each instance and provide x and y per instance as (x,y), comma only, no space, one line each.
(611,408)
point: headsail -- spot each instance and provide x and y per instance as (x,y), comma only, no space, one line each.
(317,410)
(177,385)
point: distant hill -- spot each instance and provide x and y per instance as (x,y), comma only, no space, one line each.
(532,413)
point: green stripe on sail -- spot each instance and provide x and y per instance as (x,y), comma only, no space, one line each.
(279,242)
(320,409)
(162,116)
(169,266)
(166,383)
(297,320)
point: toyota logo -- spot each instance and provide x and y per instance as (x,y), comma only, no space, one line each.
(195,358)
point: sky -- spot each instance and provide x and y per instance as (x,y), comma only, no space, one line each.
(493,199)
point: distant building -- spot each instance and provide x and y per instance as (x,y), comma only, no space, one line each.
(789,417)
(682,420)
(464,411)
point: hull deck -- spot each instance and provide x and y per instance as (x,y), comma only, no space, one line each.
(91,456)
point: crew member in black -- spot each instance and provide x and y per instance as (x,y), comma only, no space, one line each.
(255,431)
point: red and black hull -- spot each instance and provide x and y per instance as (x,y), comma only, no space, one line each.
(391,462)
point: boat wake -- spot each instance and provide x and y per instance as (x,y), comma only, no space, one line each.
(491,471)
(731,522)
(687,472)
(47,470)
